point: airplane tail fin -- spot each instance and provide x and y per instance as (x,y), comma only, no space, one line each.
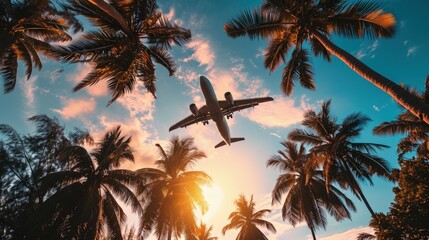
(223,143)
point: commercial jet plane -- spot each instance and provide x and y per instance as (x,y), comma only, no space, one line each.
(217,110)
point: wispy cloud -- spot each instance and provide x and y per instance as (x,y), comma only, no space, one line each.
(275,135)
(260,53)
(28,88)
(368,50)
(411,51)
(74,108)
(170,14)
(203,52)
(349,234)
(376,108)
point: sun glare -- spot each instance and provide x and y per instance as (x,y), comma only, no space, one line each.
(213,196)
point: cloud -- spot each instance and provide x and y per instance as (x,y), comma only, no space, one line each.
(275,135)
(203,52)
(76,107)
(281,112)
(170,14)
(367,50)
(253,63)
(405,42)
(28,88)
(98,90)
(260,53)
(349,234)
(376,108)
(411,51)
(139,103)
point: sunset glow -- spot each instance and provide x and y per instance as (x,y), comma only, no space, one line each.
(133,79)
(214,196)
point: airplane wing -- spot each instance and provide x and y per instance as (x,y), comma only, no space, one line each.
(241,104)
(191,119)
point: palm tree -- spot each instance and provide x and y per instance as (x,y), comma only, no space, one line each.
(171,191)
(203,233)
(416,130)
(85,206)
(25,159)
(290,23)
(306,196)
(130,36)
(342,160)
(26,28)
(247,220)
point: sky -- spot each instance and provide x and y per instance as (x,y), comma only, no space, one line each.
(236,65)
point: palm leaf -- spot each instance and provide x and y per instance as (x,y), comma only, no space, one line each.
(363,19)
(297,69)
(9,70)
(255,24)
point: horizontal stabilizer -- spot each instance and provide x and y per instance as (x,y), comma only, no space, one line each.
(233,140)
(223,143)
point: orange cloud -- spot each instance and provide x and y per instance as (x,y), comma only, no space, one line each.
(76,107)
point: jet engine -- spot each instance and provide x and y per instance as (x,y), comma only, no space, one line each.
(229,99)
(194,109)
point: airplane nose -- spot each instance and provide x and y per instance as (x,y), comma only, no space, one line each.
(203,81)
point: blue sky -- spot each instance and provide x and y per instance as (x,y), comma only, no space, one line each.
(236,65)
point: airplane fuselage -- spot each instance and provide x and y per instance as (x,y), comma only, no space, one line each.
(214,109)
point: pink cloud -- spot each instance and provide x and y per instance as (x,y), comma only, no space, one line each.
(203,52)
(281,112)
(139,103)
(76,107)
(349,234)
(98,90)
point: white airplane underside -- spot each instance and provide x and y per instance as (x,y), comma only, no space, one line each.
(217,110)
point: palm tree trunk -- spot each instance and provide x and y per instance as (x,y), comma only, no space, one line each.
(313,234)
(398,93)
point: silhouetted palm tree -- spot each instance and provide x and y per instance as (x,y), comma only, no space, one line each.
(25,159)
(130,36)
(333,148)
(171,191)
(306,195)
(247,220)
(290,23)
(86,206)
(26,28)
(203,233)
(416,130)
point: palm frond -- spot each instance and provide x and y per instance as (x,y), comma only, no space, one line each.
(299,70)
(363,18)
(9,70)
(255,24)
(162,57)
(277,49)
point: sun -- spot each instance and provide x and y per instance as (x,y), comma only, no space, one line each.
(213,195)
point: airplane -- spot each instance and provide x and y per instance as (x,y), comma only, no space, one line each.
(217,110)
